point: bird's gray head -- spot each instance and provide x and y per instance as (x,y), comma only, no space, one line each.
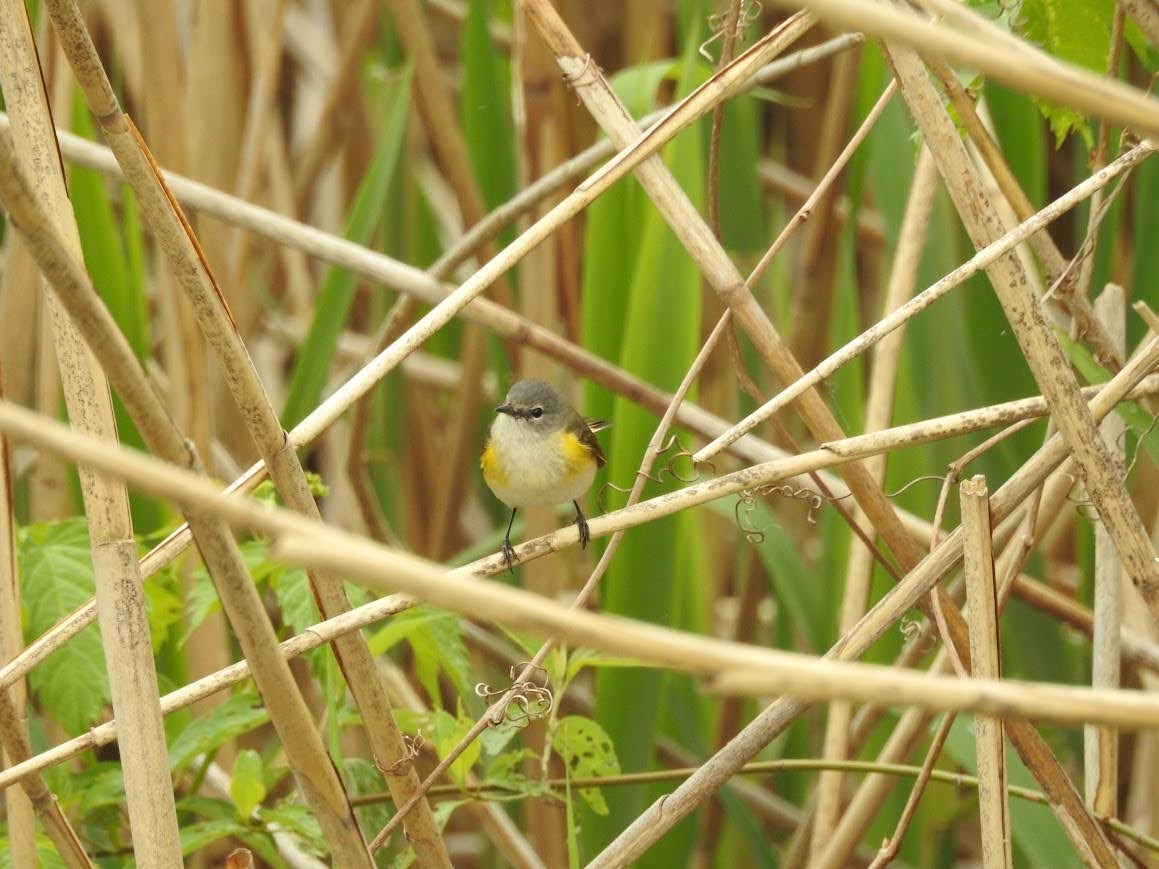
(536,403)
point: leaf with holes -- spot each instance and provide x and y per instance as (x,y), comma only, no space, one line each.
(587,751)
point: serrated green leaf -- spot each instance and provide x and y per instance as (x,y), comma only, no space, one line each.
(247,786)
(586,750)
(295,599)
(47,856)
(166,609)
(438,647)
(297,819)
(1077,31)
(57,577)
(448,731)
(194,837)
(239,714)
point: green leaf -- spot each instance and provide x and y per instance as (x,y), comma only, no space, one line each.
(47,856)
(1077,31)
(297,819)
(448,731)
(57,577)
(486,112)
(295,599)
(239,714)
(586,751)
(194,837)
(247,787)
(333,307)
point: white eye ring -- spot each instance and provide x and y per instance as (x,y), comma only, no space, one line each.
(537,412)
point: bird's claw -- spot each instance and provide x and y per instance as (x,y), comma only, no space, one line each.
(585,534)
(508,552)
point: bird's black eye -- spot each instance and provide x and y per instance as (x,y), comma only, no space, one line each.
(537,412)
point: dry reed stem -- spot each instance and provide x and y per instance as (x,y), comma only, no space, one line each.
(984,258)
(19,814)
(982,598)
(782,468)
(720,272)
(1063,280)
(1101,745)
(878,412)
(308,543)
(822,192)
(120,599)
(660,816)
(314,770)
(240,600)
(1030,69)
(497,709)
(1146,15)
(180,247)
(1101,473)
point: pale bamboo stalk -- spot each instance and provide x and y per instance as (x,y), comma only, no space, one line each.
(318,635)
(780,468)
(305,542)
(305,752)
(821,194)
(20,306)
(981,594)
(1031,70)
(1101,745)
(1101,472)
(120,600)
(702,245)
(1146,15)
(498,708)
(878,412)
(869,798)
(662,815)
(356,619)
(1063,280)
(985,257)
(18,807)
(215,320)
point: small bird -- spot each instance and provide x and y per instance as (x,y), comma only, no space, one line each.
(540,452)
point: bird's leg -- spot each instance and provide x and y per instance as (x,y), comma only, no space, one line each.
(507,549)
(582,524)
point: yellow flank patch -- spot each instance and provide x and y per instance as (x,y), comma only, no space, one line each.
(577,454)
(490,464)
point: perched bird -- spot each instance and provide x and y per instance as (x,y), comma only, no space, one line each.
(540,452)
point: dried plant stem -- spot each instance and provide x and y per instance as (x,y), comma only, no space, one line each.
(823,189)
(1101,473)
(240,601)
(982,595)
(986,256)
(497,710)
(217,324)
(788,467)
(1101,745)
(121,607)
(1030,70)
(891,846)
(19,813)
(1062,278)
(305,542)
(660,816)
(878,411)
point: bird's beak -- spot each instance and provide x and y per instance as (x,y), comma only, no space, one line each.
(505,408)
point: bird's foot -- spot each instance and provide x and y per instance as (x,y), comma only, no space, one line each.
(508,553)
(585,533)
